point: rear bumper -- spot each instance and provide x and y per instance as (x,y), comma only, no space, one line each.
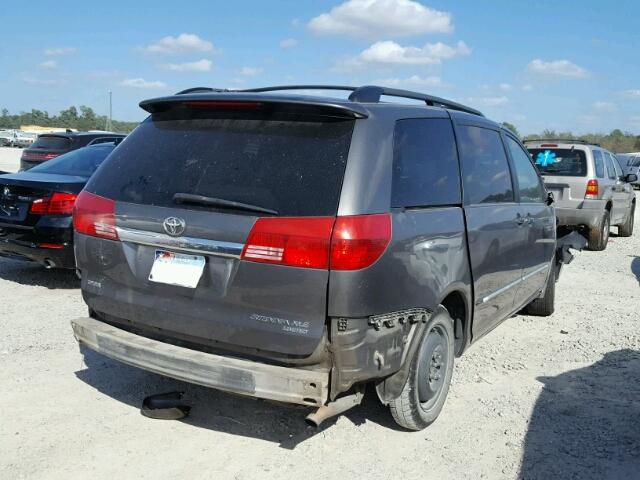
(589,214)
(254,379)
(50,257)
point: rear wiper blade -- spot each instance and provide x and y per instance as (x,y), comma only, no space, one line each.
(219,202)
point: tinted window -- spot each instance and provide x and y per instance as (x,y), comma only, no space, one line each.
(611,172)
(599,163)
(485,169)
(425,164)
(560,162)
(528,182)
(82,162)
(52,143)
(293,167)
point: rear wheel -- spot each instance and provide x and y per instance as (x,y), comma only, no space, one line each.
(545,305)
(626,229)
(599,235)
(427,385)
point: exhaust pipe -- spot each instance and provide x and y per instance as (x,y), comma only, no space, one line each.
(332,409)
(49,264)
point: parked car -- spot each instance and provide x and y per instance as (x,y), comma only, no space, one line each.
(24,139)
(589,188)
(51,145)
(36,207)
(630,163)
(297,248)
(7,137)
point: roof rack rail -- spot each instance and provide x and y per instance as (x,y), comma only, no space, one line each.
(201,89)
(562,140)
(372,94)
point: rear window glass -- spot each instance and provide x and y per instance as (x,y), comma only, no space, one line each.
(293,167)
(52,143)
(425,164)
(560,162)
(82,162)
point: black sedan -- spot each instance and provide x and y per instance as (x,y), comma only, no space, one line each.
(36,206)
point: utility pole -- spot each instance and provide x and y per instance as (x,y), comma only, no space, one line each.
(109,120)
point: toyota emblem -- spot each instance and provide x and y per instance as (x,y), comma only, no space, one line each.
(174,226)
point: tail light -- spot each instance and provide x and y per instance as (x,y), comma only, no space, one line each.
(38,156)
(95,216)
(592,189)
(359,241)
(342,243)
(56,204)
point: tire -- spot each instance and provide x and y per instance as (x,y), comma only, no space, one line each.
(544,306)
(427,385)
(626,229)
(599,236)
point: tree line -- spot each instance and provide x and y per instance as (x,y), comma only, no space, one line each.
(81,118)
(616,141)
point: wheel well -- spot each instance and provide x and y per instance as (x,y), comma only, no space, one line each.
(457,308)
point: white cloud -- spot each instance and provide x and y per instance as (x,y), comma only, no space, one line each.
(142,83)
(183,43)
(250,71)
(414,80)
(489,101)
(562,68)
(288,43)
(505,87)
(44,82)
(392,53)
(56,52)
(605,106)
(381,18)
(527,88)
(633,93)
(49,65)
(203,65)
(295,23)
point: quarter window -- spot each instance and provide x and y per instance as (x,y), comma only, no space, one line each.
(485,169)
(425,164)
(529,186)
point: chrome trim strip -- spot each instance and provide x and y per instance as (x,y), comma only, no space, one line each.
(201,246)
(500,291)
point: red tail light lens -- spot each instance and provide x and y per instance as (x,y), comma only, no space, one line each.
(95,216)
(298,242)
(39,156)
(56,204)
(342,243)
(359,241)
(592,189)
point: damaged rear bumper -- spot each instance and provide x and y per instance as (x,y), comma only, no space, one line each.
(245,377)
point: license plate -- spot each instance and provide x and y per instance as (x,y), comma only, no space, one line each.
(177,269)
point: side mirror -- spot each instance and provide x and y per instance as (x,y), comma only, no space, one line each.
(632,177)
(550,199)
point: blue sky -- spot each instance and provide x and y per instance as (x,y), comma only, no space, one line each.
(538,64)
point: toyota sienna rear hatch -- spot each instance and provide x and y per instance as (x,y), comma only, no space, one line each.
(211,224)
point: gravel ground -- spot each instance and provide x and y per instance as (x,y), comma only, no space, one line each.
(555,397)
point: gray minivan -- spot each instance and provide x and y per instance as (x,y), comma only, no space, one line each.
(589,187)
(298,248)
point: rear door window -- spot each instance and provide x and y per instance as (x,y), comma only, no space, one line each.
(485,169)
(52,143)
(598,163)
(611,171)
(295,167)
(425,164)
(560,162)
(529,186)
